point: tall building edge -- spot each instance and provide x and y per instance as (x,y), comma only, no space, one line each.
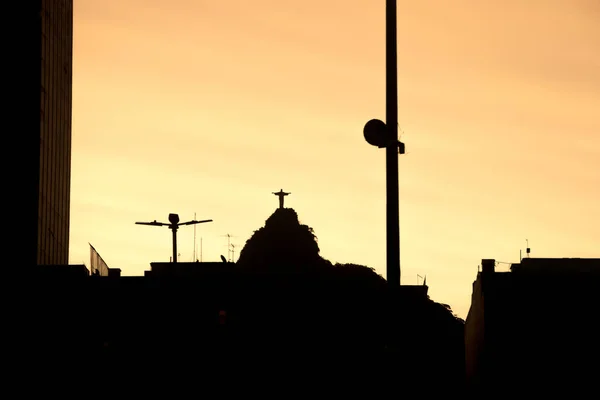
(43,97)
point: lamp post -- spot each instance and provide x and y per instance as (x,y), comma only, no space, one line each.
(174,225)
(385,135)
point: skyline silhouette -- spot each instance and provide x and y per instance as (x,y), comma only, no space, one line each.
(208,110)
(281,307)
(285,311)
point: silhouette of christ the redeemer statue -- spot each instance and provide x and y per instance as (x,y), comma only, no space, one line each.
(281,194)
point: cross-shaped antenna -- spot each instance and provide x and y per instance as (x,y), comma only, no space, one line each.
(174,225)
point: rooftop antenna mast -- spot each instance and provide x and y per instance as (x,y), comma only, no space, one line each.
(174,225)
(233,246)
(228,236)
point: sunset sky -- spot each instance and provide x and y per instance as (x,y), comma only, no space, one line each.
(206,107)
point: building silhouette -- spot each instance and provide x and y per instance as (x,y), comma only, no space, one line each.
(534,328)
(223,319)
(46,130)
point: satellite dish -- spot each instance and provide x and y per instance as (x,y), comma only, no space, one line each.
(375,132)
(223,259)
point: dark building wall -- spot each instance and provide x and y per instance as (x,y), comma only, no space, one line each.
(474,336)
(535,327)
(55,100)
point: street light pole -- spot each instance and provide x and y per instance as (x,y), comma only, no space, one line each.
(391,151)
(385,135)
(174,225)
(174,229)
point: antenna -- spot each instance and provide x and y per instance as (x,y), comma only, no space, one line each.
(233,246)
(528,249)
(200,249)
(173,225)
(228,236)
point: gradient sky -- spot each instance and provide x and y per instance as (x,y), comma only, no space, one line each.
(207,107)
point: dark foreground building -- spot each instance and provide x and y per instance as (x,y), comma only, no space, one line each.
(44,137)
(535,328)
(218,321)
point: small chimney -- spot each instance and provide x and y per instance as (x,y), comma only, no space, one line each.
(488,266)
(114,272)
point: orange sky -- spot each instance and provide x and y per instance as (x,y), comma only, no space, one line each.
(209,106)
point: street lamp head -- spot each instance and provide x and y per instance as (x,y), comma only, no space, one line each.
(174,219)
(375,132)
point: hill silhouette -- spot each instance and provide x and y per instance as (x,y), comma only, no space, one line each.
(283,244)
